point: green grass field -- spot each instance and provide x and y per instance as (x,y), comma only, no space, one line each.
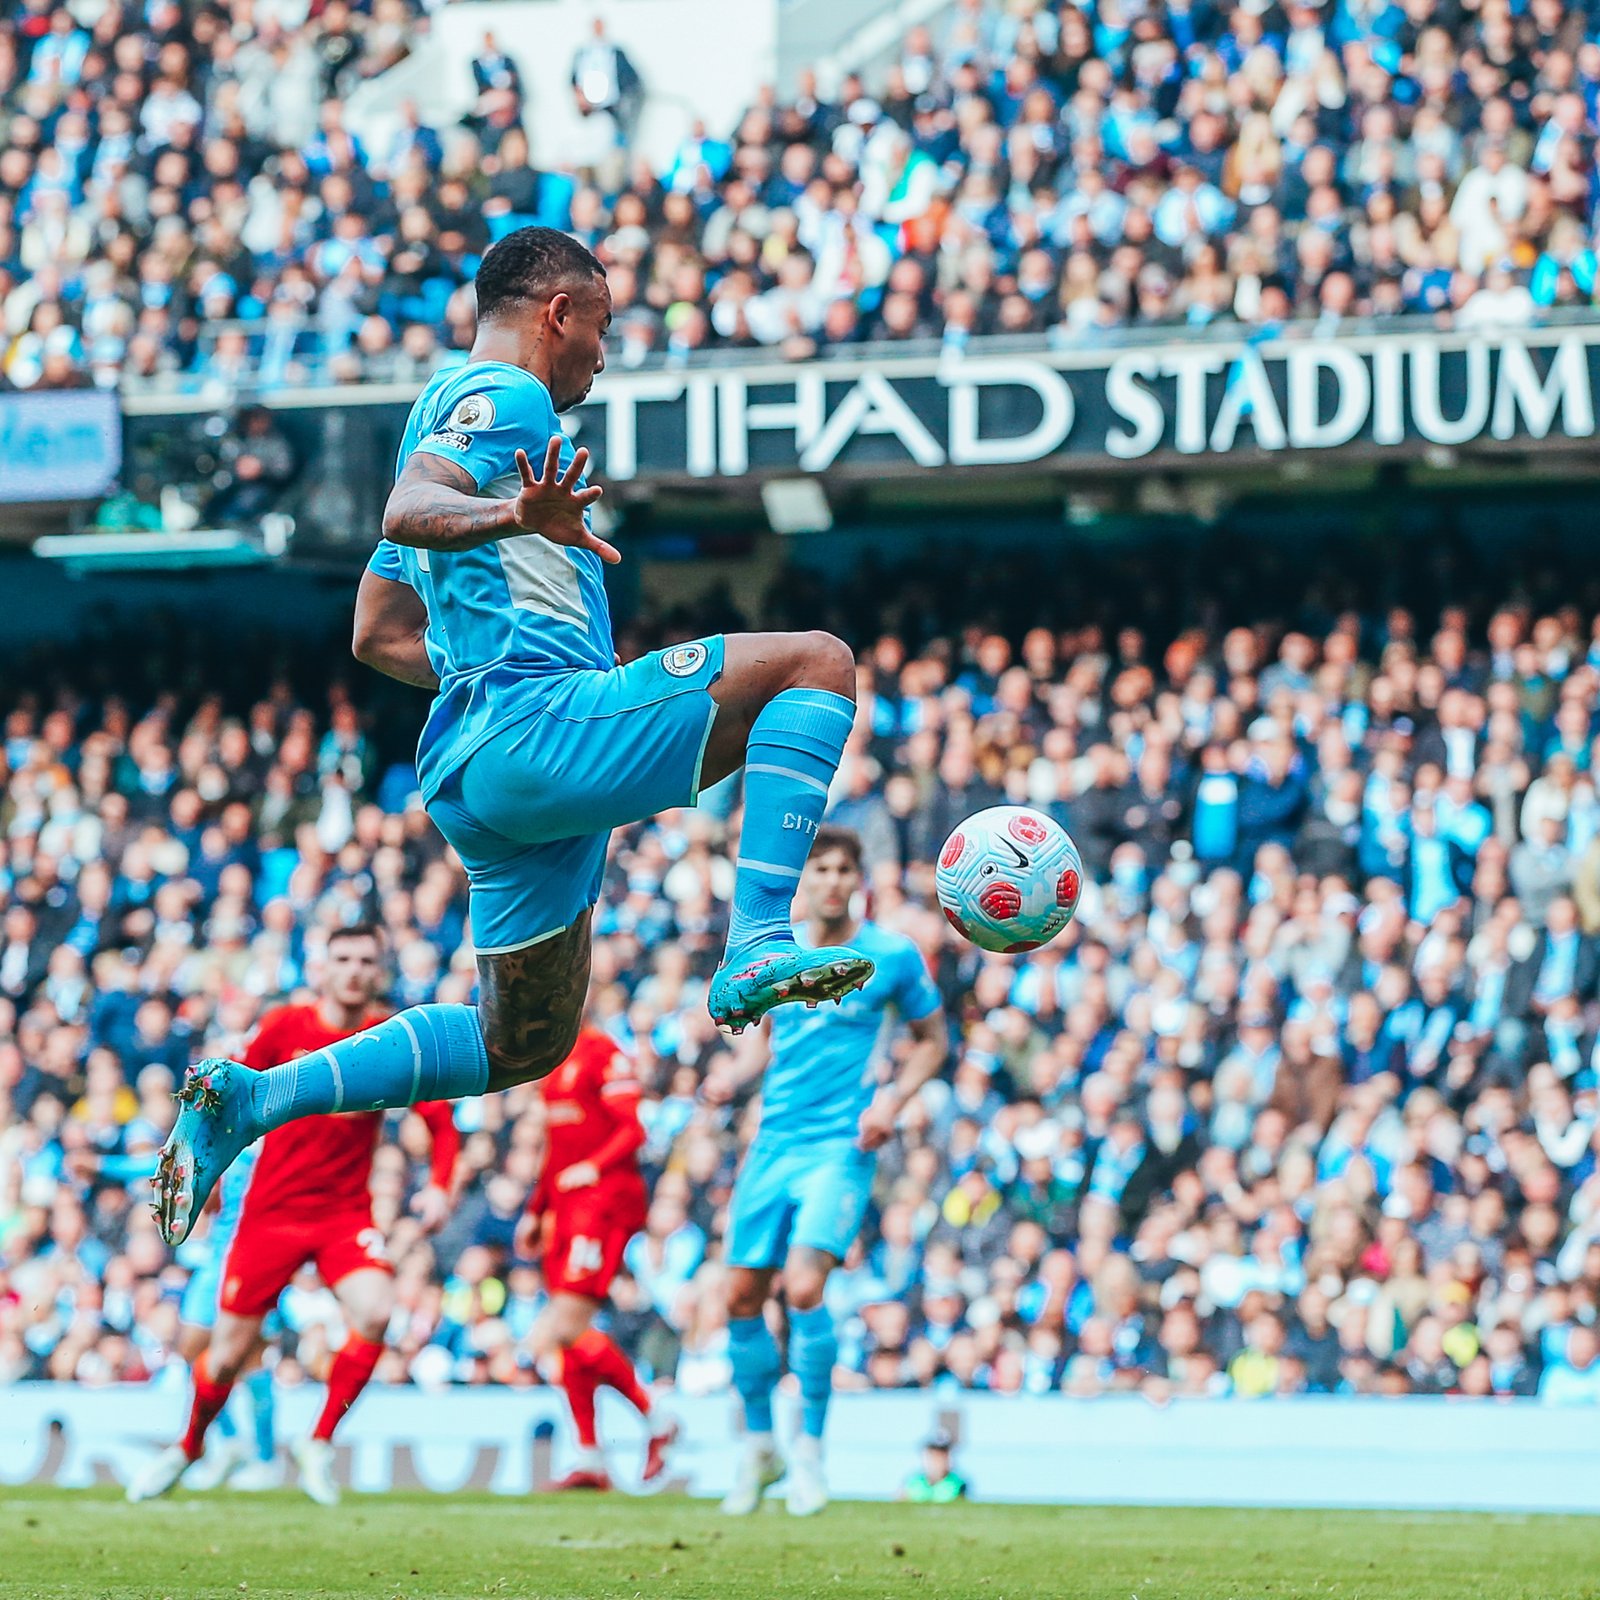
(421,1547)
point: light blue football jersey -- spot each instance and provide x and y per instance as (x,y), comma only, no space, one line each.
(505,612)
(822,1073)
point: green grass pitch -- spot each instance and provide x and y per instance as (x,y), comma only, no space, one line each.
(91,1546)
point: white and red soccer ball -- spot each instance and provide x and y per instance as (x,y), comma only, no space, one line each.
(1009,879)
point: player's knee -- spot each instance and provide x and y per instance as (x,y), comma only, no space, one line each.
(369,1316)
(802,1288)
(565,1321)
(370,1324)
(747,1296)
(225,1359)
(827,662)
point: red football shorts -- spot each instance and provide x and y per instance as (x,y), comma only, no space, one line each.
(590,1230)
(266,1254)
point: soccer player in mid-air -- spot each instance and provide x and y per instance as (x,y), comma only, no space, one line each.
(588,1203)
(805,1183)
(488,588)
(309,1199)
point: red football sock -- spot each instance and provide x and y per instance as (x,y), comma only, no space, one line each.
(209,1399)
(347,1377)
(612,1368)
(579,1382)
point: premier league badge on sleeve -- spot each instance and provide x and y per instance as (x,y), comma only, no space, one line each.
(473,414)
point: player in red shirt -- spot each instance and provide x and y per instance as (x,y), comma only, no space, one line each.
(589,1201)
(308,1201)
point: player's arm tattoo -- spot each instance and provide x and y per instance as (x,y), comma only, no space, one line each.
(435,505)
(530,1005)
(391,625)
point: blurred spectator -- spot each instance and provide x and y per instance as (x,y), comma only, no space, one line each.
(604,81)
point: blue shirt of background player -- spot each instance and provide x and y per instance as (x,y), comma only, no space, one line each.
(505,612)
(821,1075)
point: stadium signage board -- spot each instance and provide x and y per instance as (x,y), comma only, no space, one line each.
(1158,405)
(1423,1451)
(58,446)
(1153,403)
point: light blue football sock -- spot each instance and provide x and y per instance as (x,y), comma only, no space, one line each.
(226,1427)
(794,750)
(813,1352)
(754,1353)
(263,1403)
(426,1053)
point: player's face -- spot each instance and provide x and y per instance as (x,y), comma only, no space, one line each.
(580,350)
(353,971)
(831,878)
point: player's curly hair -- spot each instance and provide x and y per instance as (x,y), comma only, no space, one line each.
(531,265)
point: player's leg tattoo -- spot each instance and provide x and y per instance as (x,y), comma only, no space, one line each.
(530,1005)
(530,1008)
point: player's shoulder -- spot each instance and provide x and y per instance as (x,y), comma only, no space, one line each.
(279,1032)
(884,943)
(283,1018)
(474,397)
(601,1057)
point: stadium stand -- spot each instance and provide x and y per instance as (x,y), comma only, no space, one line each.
(1306,1101)
(181,200)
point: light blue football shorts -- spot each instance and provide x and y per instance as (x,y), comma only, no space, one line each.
(203,1291)
(813,1196)
(583,752)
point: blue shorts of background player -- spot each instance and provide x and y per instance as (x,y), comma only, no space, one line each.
(200,1295)
(814,1197)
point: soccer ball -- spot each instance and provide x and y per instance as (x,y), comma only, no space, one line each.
(1009,879)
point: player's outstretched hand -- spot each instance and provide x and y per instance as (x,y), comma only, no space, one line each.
(552,504)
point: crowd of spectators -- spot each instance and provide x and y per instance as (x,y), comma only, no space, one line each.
(183,198)
(1305,1100)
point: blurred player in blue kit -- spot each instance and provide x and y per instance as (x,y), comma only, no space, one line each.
(806,1182)
(488,588)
